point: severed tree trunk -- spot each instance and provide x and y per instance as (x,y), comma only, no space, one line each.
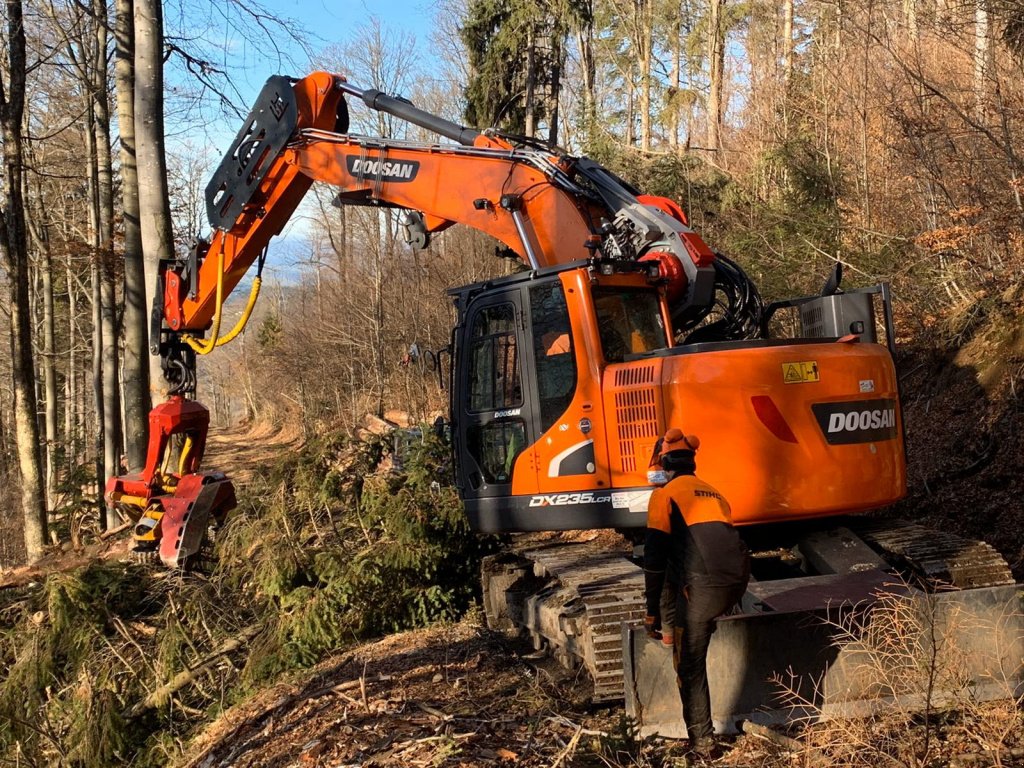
(716,69)
(136,342)
(154,206)
(14,254)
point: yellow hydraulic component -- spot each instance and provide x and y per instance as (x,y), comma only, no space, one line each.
(148,527)
(186,449)
(131,501)
(205,347)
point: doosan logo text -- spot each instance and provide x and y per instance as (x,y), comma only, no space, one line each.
(385,170)
(856,420)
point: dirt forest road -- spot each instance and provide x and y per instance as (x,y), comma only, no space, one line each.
(241,450)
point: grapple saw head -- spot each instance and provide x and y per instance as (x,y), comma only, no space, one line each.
(173,509)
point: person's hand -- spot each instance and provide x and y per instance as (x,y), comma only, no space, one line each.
(652,625)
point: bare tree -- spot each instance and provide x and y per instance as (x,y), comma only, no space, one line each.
(716,76)
(154,206)
(14,253)
(136,345)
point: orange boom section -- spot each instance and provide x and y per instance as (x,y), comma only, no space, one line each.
(788,431)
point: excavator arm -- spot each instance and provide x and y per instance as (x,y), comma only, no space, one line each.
(548,208)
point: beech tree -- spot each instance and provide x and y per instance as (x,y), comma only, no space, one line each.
(136,311)
(14,253)
(155,225)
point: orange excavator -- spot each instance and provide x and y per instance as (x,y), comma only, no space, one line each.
(655,329)
(563,376)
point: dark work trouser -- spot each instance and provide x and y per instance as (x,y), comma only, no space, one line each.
(696,610)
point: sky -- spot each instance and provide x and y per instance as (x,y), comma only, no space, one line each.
(204,136)
(325,22)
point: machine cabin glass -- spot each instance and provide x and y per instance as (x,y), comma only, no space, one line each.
(517,376)
(553,352)
(629,322)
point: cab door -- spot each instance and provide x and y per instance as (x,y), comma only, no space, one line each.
(492,396)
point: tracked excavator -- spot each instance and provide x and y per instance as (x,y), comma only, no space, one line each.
(562,376)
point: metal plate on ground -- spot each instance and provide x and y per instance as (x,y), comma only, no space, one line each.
(824,659)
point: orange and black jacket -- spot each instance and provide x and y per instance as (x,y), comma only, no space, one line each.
(691,539)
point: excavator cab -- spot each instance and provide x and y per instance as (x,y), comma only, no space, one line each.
(563,378)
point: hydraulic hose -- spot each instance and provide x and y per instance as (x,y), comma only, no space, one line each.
(205,347)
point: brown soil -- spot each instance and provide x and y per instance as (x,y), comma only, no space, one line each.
(449,695)
(241,450)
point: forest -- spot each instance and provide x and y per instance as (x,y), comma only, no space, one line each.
(795,134)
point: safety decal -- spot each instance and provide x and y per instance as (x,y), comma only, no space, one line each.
(634,501)
(800,373)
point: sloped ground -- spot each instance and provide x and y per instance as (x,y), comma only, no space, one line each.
(964,411)
(455,695)
(459,695)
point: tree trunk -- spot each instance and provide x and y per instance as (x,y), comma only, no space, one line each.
(910,16)
(49,358)
(136,311)
(716,66)
(530,90)
(675,79)
(644,38)
(72,420)
(14,253)
(556,87)
(112,445)
(154,206)
(588,71)
(96,289)
(981,55)
(787,42)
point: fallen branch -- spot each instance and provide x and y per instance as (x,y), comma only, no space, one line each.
(570,748)
(186,677)
(779,739)
(114,531)
(434,712)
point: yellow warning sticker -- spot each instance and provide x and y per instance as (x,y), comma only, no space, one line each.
(800,373)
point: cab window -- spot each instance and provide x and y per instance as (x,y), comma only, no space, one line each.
(552,351)
(496,446)
(629,322)
(494,360)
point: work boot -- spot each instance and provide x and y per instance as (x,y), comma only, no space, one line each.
(705,749)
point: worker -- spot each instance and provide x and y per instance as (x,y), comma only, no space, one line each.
(690,534)
(658,477)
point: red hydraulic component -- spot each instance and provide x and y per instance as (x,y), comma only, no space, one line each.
(172,506)
(672,271)
(666,205)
